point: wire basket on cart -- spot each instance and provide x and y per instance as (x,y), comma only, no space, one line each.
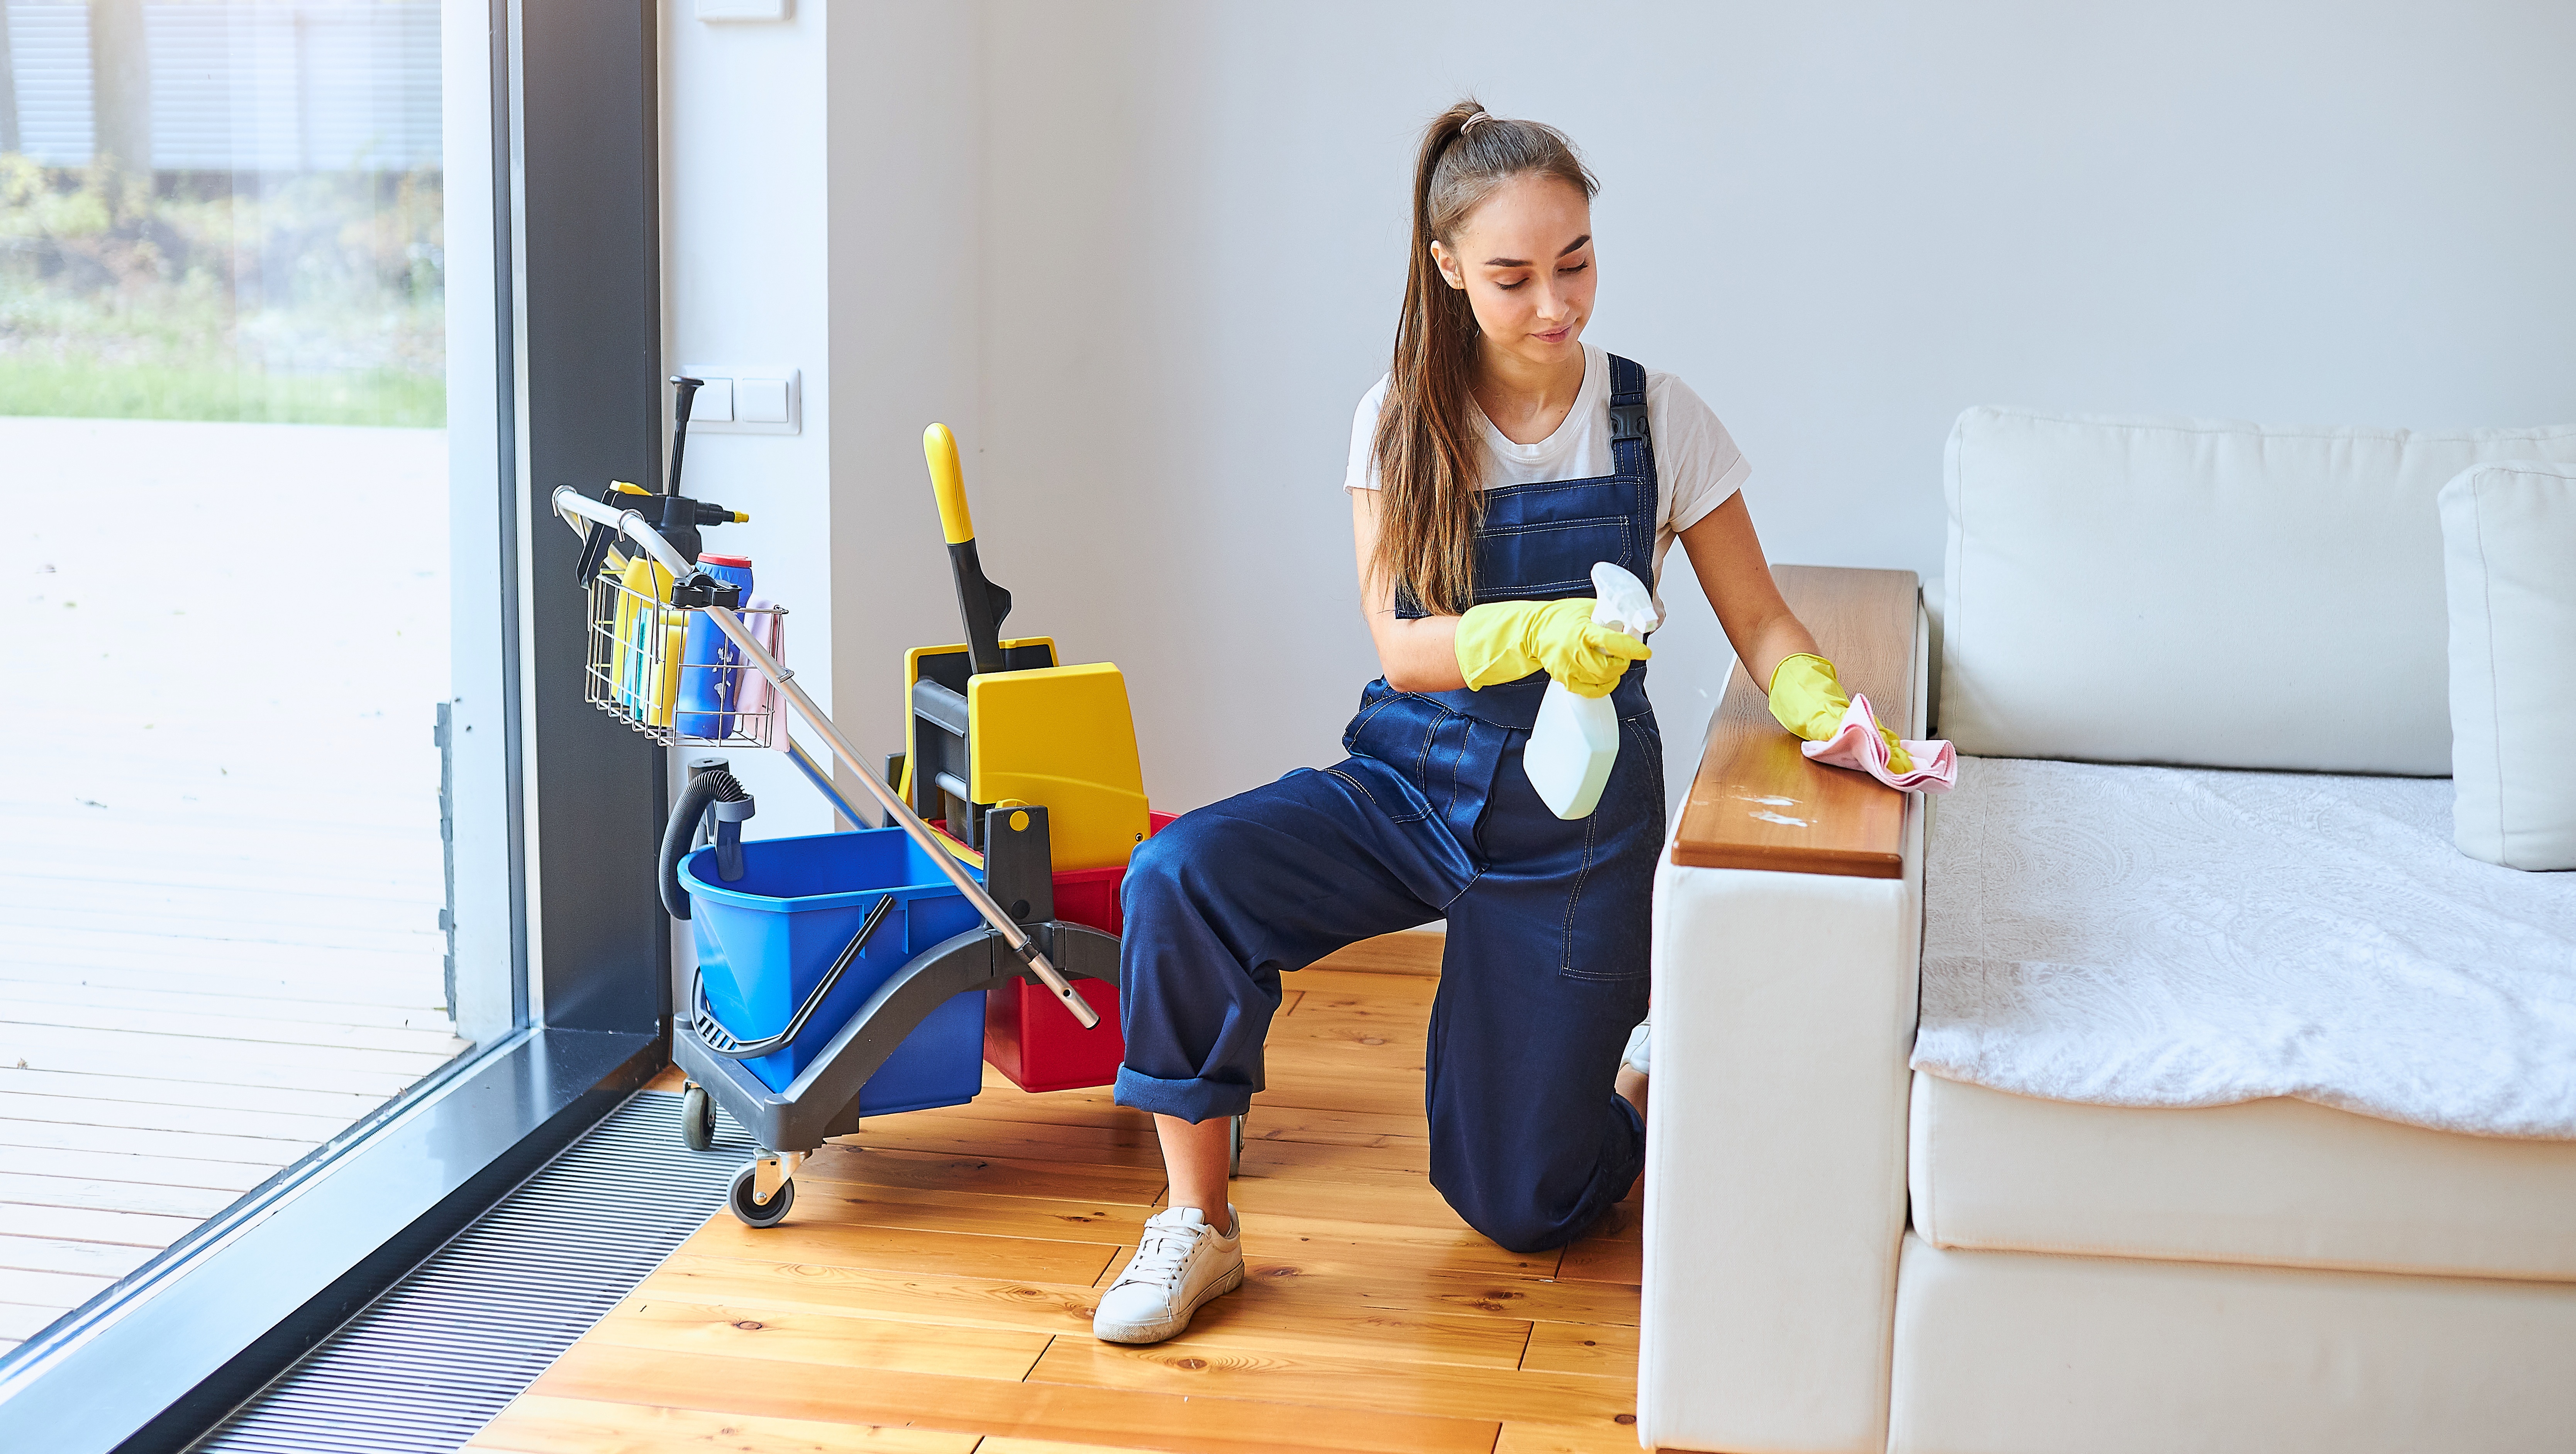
(667,672)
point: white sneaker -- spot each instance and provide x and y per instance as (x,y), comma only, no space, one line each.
(1180,1263)
(1641,1042)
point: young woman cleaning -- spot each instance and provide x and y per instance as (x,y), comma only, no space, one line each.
(1499,459)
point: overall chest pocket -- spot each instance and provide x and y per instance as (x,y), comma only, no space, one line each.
(1550,558)
(1542,540)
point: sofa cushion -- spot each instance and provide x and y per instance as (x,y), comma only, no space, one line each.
(2509,555)
(2284,1183)
(2010,1353)
(2155,936)
(2203,591)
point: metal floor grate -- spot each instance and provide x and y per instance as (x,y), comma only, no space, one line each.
(427,1365)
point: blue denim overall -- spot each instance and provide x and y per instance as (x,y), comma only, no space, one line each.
(1432,816)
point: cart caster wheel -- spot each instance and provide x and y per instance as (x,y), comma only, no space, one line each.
(697,1118)
(749,1210)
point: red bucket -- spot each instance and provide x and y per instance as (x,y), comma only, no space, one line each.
(1028,1036)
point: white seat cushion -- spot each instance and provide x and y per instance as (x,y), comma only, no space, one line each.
(2203,591)
(2150,936)
(2509,555)
(2283,1183)
(2011,1353)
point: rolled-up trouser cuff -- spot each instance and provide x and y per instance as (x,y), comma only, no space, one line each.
(1191,1100)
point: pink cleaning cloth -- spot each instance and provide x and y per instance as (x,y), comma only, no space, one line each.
(1857,745)
(751,693)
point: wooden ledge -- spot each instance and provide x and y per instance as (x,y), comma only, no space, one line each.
(1757,802)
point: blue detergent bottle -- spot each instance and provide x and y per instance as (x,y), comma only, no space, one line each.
(711,669)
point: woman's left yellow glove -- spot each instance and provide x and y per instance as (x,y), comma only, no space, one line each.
(1809,701)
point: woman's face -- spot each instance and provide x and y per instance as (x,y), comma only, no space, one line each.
(1525,261)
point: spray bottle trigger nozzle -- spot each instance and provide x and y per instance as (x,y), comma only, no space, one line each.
(1621,602)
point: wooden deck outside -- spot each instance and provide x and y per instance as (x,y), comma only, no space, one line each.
(932,1290)
(220,884)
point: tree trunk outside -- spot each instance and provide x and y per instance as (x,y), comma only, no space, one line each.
(121,83)
(8,88)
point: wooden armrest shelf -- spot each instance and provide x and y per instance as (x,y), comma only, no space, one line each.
(1757,802)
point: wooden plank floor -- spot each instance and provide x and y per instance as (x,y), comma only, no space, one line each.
(933,1288)
(220,885)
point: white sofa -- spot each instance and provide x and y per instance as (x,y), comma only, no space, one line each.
(1845,1253)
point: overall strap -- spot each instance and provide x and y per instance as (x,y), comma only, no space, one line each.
(1632,444)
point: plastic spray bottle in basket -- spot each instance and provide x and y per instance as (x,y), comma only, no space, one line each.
(711,672)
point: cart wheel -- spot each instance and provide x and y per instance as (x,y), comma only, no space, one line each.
(753,1212)
(697,1118)
(1234,1150)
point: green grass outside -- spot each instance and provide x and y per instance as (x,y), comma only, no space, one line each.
(92,389)
(316,298)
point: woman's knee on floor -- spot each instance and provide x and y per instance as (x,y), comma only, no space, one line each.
(1520,1220)
(1546,1192)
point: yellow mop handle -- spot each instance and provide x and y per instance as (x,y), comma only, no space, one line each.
(948,482)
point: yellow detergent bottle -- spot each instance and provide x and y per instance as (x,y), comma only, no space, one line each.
(643,581)
(662,693)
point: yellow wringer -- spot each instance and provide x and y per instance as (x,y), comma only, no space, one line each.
(1016,756)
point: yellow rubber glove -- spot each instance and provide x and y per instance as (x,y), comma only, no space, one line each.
(1809,701)
(1504,641)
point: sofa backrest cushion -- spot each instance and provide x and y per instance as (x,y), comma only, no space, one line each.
(2509,555)
(2202,591)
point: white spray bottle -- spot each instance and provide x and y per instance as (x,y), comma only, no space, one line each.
(1575,742)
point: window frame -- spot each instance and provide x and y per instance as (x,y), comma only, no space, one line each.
(559,882)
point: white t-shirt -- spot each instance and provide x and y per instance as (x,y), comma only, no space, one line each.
(1697,465)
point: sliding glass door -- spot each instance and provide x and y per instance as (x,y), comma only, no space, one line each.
(231,892)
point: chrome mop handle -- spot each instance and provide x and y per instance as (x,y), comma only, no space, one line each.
(568,501)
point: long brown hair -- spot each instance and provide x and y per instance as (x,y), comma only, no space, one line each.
(1427,452)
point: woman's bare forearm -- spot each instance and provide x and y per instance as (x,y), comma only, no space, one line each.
(1420,655)
(1727,557)
(1777,641)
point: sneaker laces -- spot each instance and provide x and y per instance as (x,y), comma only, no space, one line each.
(1163,1251)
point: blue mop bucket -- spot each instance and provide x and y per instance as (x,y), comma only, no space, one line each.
(768,938)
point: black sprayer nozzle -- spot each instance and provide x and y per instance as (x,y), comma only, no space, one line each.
(688,393)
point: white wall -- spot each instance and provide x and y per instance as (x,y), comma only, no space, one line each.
(906,110)
(828,225)
(746,269)
(1178,265)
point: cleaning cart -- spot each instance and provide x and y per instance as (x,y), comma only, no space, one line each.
(868,972)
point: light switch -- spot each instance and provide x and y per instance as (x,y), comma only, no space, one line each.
(761,401)
(713,404)
(746,398)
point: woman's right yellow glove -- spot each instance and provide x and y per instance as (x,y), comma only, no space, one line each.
(1504,641)
(1809,700)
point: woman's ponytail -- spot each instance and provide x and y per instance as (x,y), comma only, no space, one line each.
(1430,483)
